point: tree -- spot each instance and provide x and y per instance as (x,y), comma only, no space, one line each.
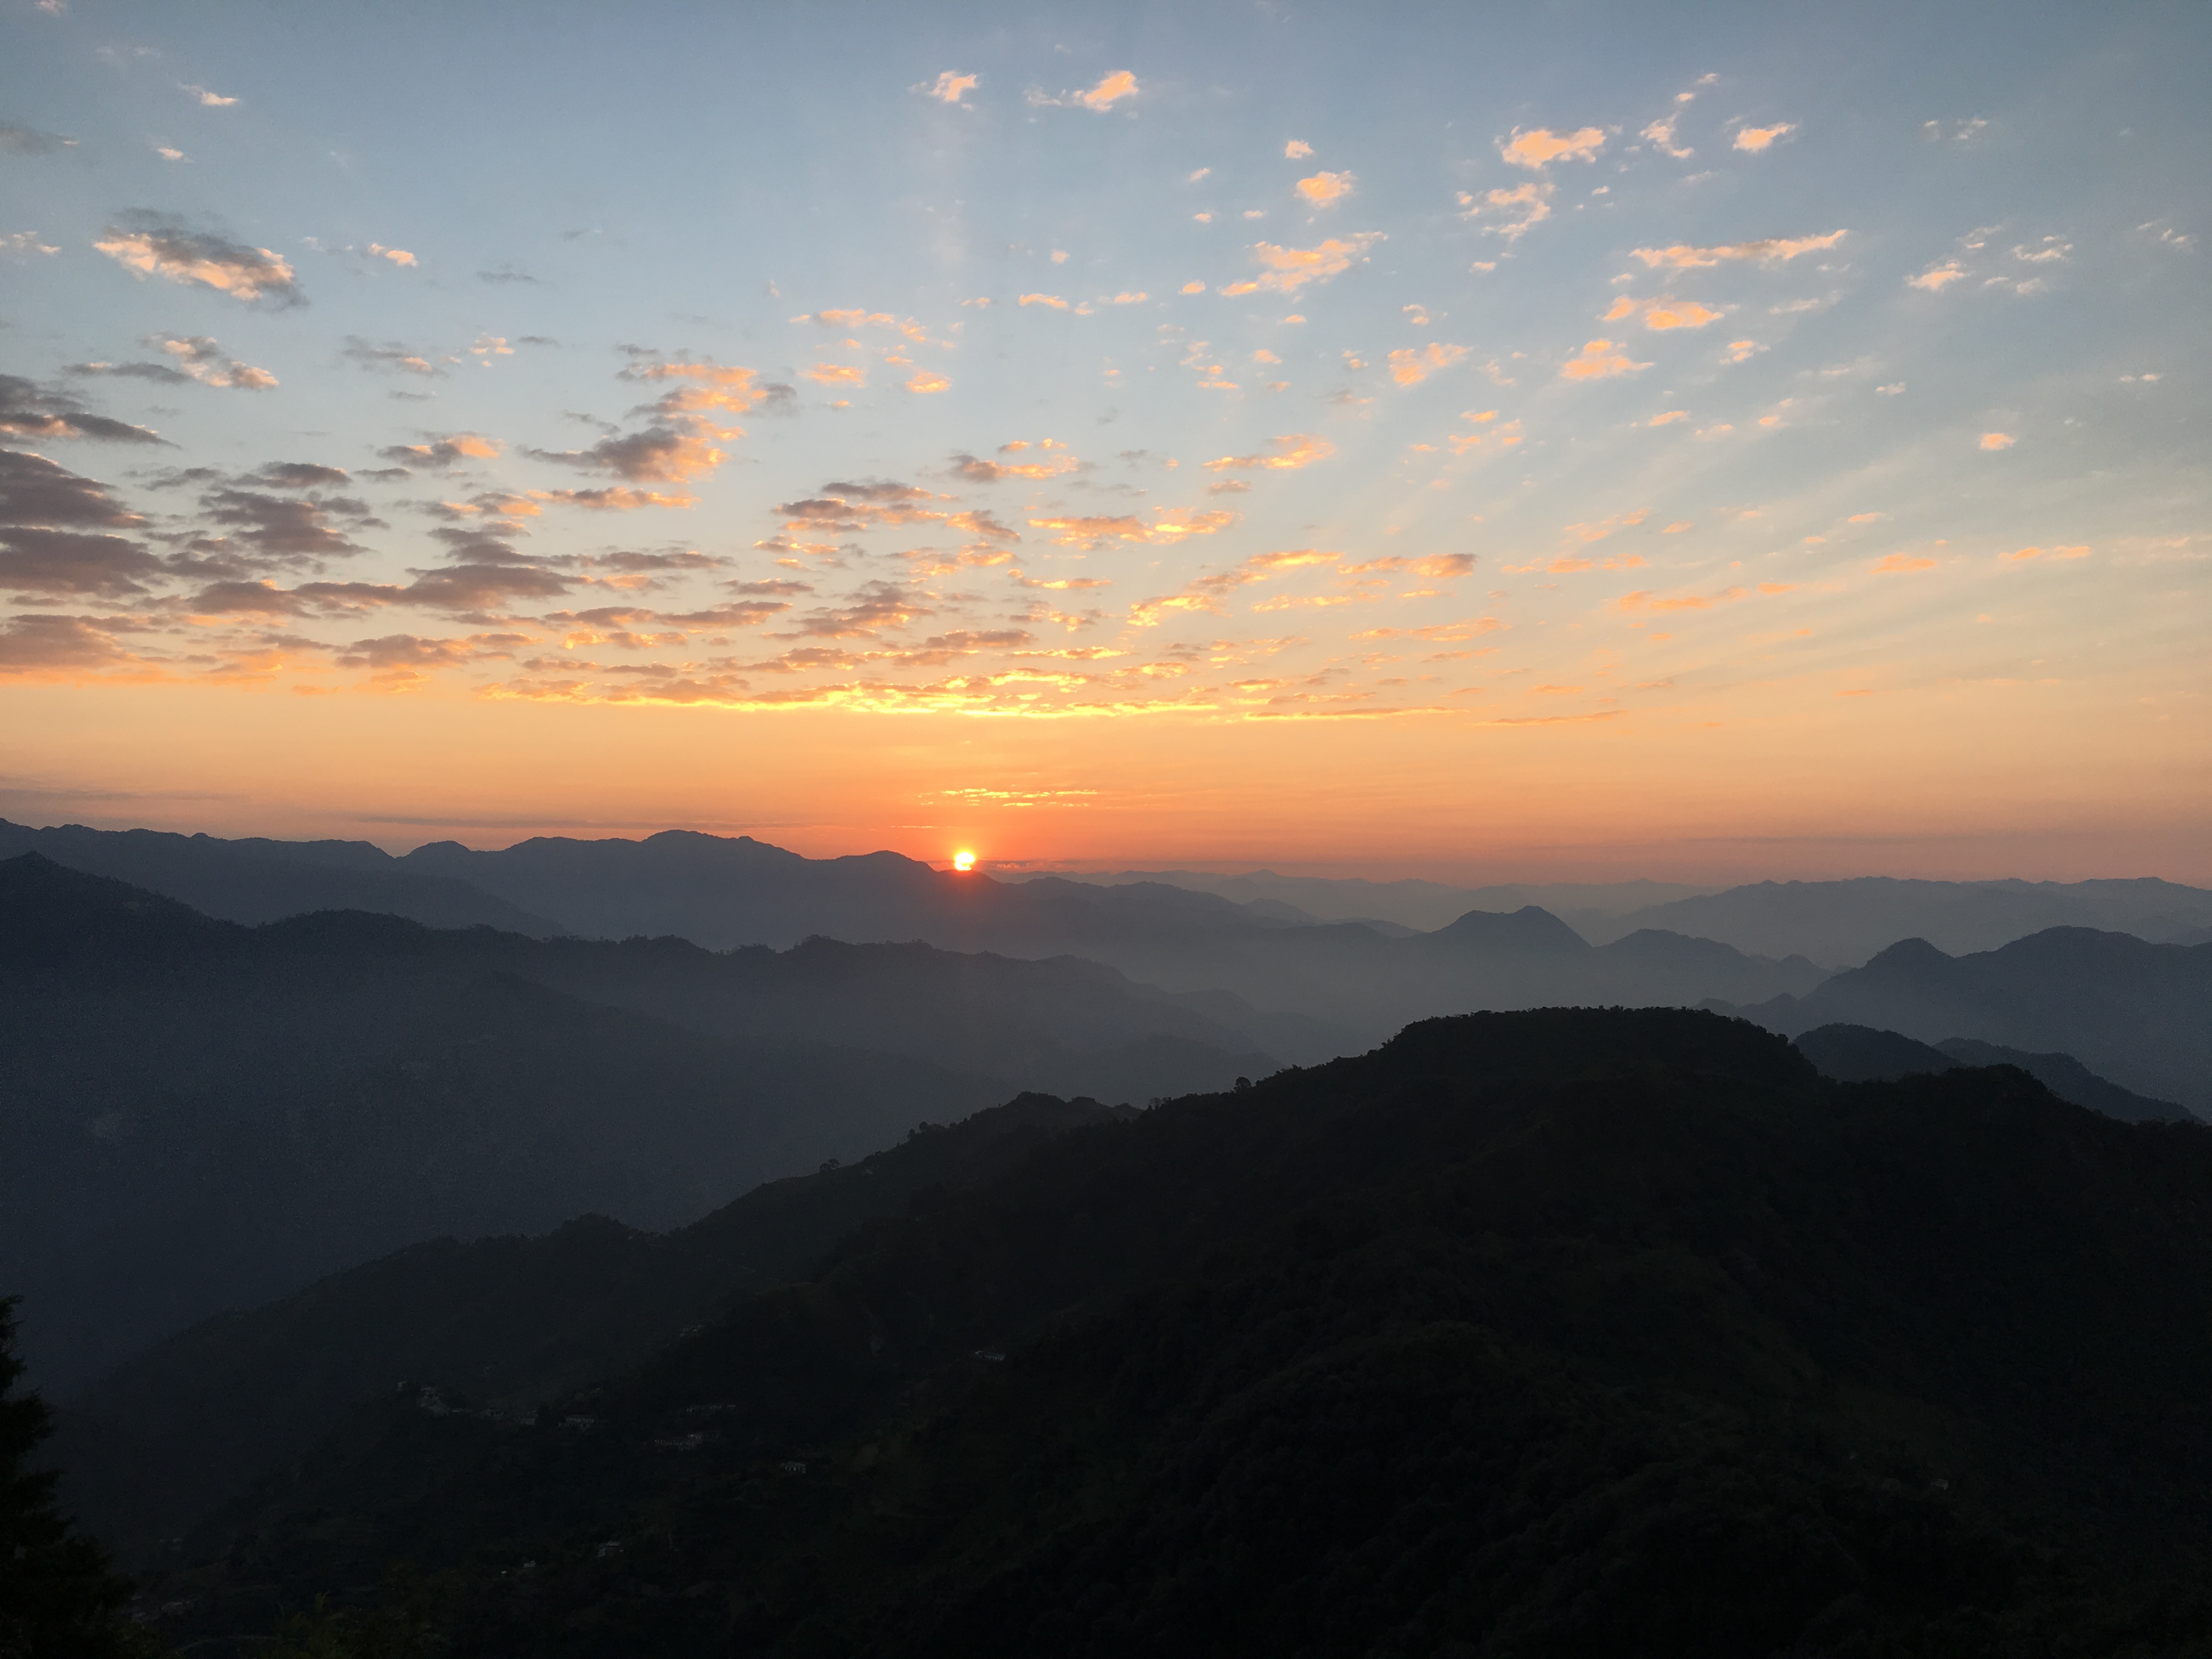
(59,1599)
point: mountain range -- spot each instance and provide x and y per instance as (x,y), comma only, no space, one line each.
(1531,1333)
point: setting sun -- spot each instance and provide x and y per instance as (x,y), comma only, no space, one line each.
(963,862)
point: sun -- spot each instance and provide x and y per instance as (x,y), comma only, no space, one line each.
(963,862)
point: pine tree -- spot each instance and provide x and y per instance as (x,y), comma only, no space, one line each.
(58,1597)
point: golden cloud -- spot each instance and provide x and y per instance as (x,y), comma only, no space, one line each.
(1598,360)
(838,374)
(1774,250)
(1899,563)
(1052,300)
(1410,367)
(1110,90)
(1642,599)
(153,245)
(926,381)
(1290,451)
(1998,440)
(950,87)
(1171,525)
(1542,146)
(1324,188)
(1287,270)
(1296,151)
(1934,279)
(1755,139)
(1521,208)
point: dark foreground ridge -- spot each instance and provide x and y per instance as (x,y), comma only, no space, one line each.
(1549,1334)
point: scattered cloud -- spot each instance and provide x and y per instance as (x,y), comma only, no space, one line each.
(1517,211)
(1287,270)
(193,357)
(1755,139)
(1326,189)
(16,139)
(1598,360)
(208,100)
(22,244)
(1110,90)
(391,356)
(1897,564)
(1541,147)
(1296,151)
(150,243)
(1667,417)
(27,410)
(1286,453)
(1663,313)
(1170,524)
(1660,134)
(1998,440)
(948,88)
(839,374)
(1772,250)
(441,454)
(1410,367)
(926,381)
(1934,279)
(1052,300)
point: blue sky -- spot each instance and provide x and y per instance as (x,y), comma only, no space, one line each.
(1212,364)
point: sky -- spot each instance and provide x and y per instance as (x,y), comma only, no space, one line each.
(1483,442)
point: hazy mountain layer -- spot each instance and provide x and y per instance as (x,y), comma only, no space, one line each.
(162,1444)
(1860,1053)
(196,1115)
(2137,1013)
(259,880)
(1547,1333)
(1844,923)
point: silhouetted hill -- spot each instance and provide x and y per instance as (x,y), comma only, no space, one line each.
(2132,1012)
(180,1430)
(2070,1079)
(1556,1333)
(1844,923)
(259,880)
(1422,906)
(196,1115)
(1860,1053)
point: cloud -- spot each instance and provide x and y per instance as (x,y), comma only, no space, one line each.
(948,88)
(1742,351)
(56,644)
(926,381)
(1521,208)
(1998,440)
(1932,280)
(16,139)
(1325,189)
(1193,287)
(1661,134)
(1288,453)
(1411,368)
(1667,417)
(34,490)
(208,100)
(390,356)
(1642,599)
(613,498)
(278,528)
(1663,313)
(55,562)
(2026,553)
(1287,270)
(1598,360)
(397,256)
(1755,139)
(439,453)
(150,243)
(1541,147)
(838,374)
(21,244)
(1112,88)
(1296,151)
(978,470)
(195,357)
(1897,564)
(170,153)
(1774,250)
(1171,525)
(703,386)
(28,411)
